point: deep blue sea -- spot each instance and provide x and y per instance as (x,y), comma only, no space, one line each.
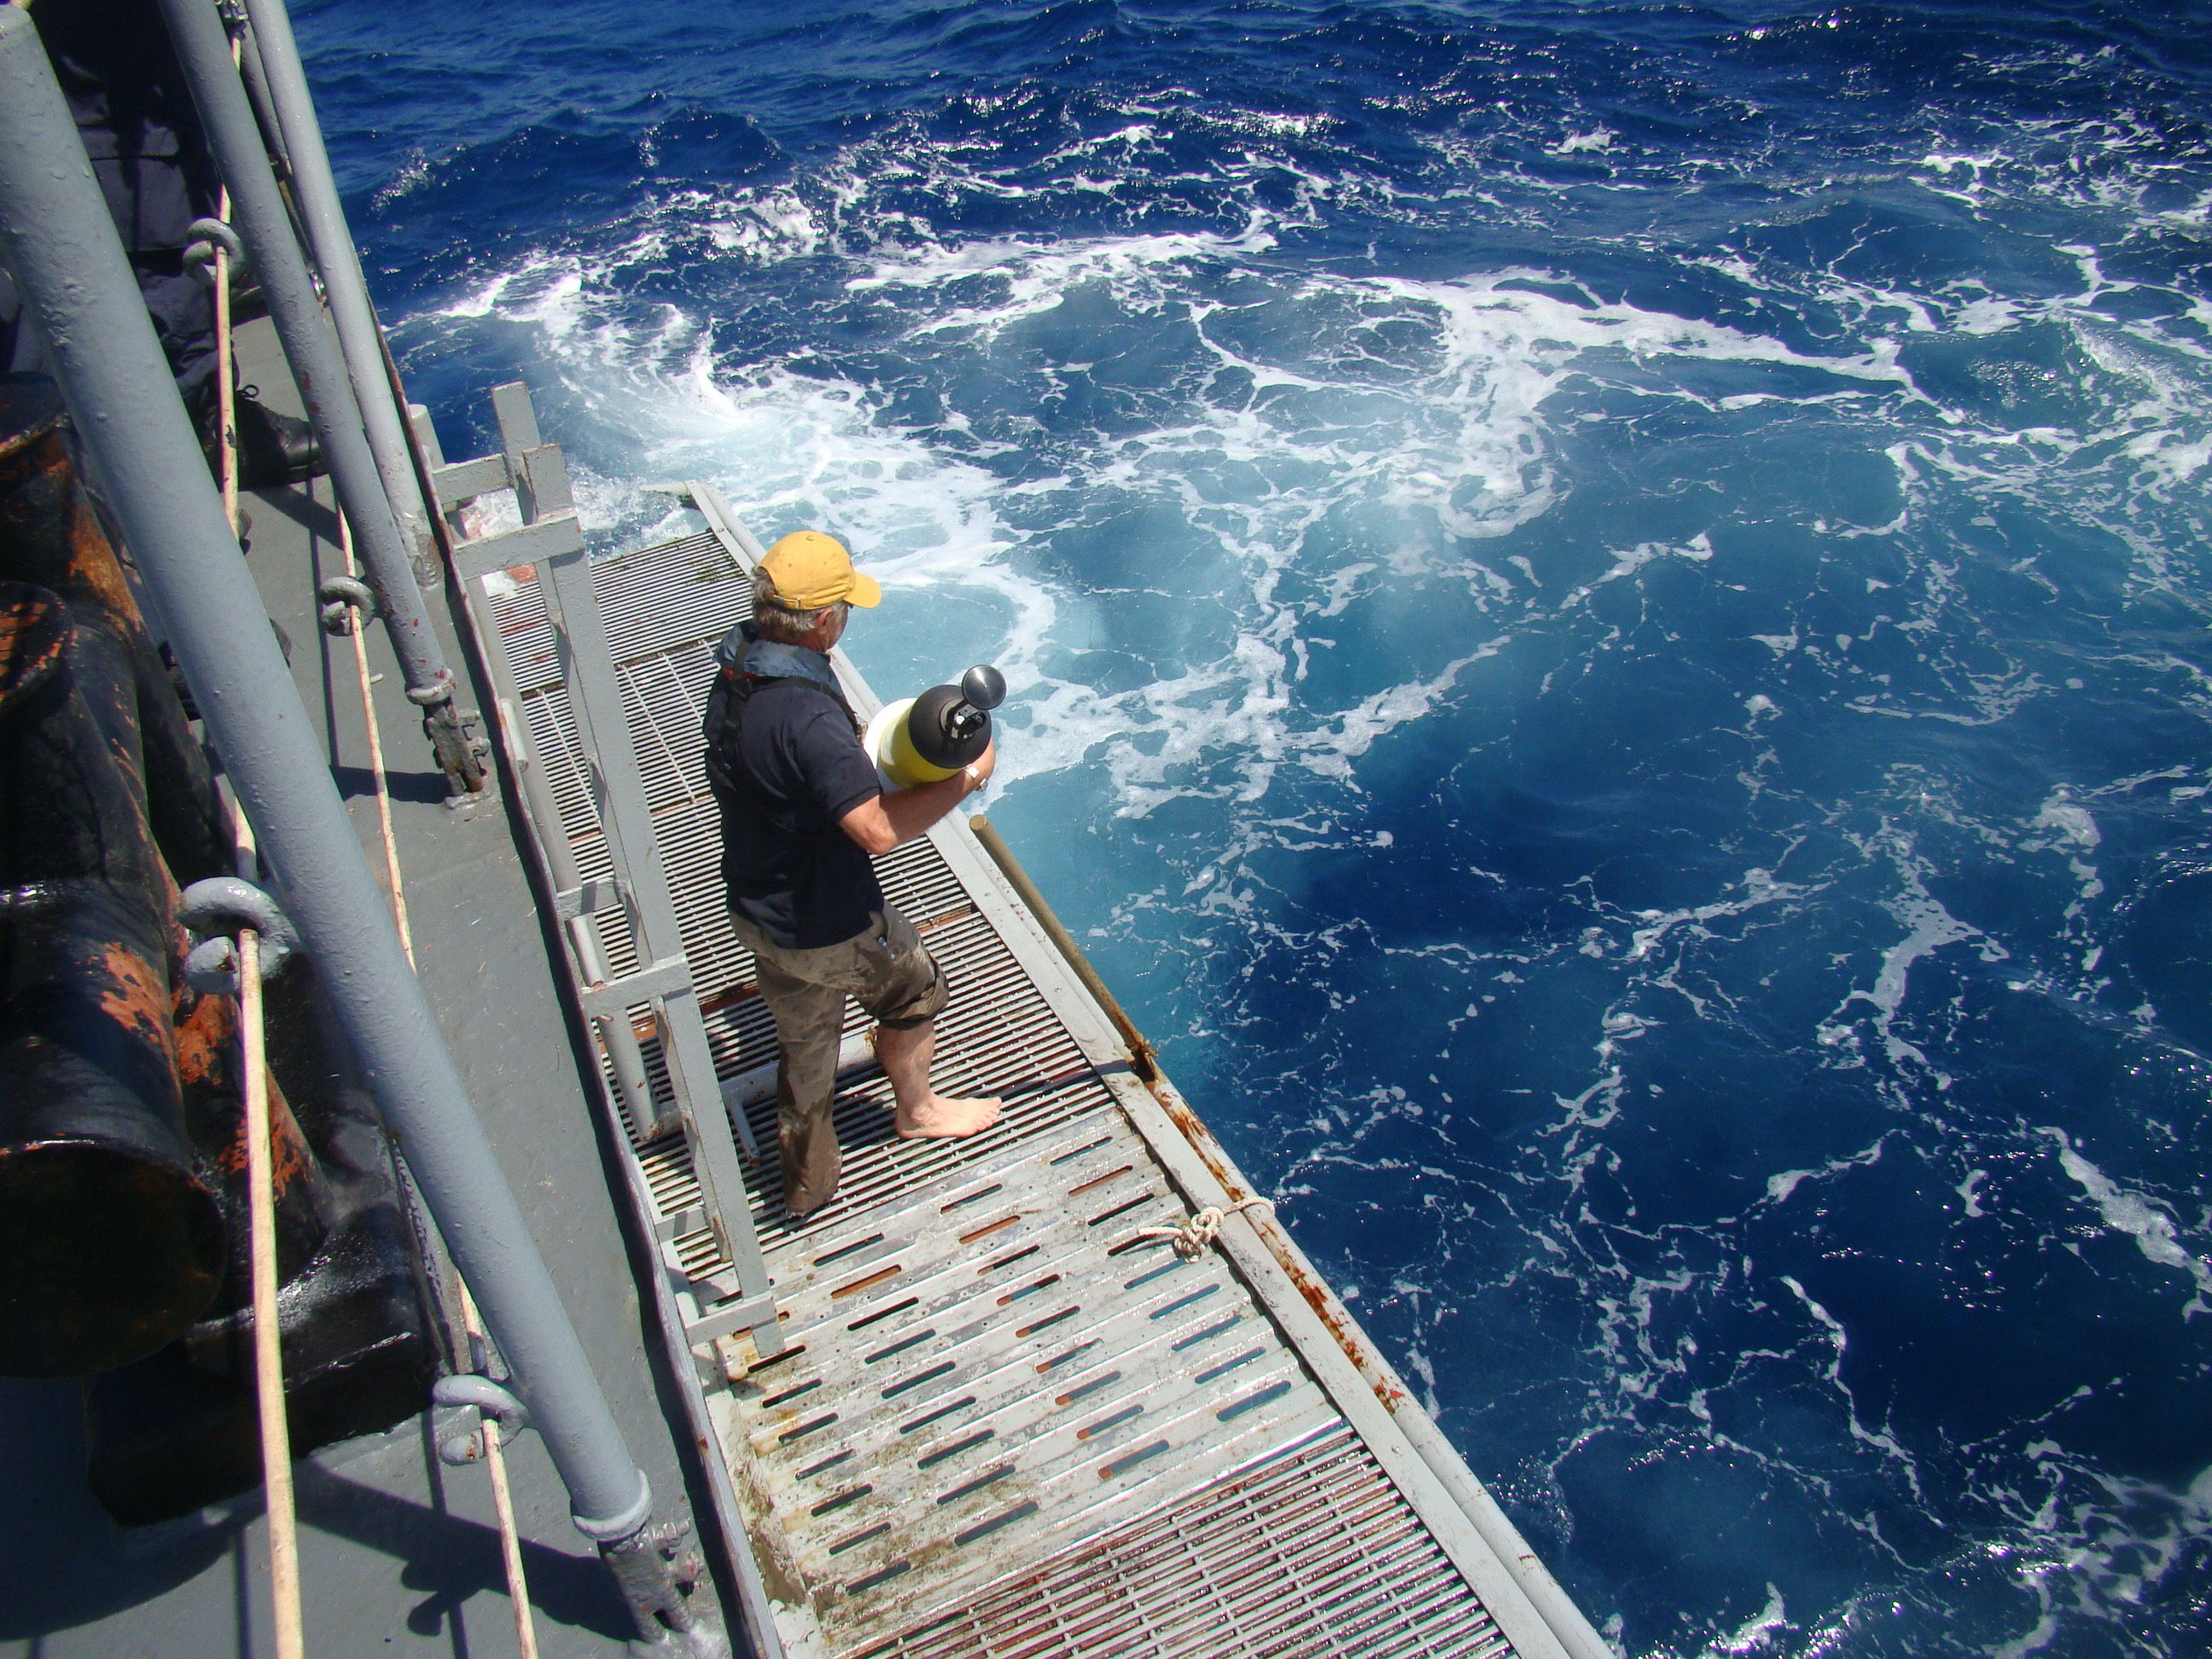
(1607,607)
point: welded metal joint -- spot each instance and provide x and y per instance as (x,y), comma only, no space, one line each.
(438,693)
(342,596)
(463,752)
(659,1574)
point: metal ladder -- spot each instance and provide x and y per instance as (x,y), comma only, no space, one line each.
(732,1294)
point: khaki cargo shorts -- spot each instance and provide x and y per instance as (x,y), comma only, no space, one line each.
(888,971)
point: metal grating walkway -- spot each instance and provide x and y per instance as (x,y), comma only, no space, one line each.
(1003,1421)
(1207,1578)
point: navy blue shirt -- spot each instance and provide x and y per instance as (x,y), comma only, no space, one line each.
(786,765)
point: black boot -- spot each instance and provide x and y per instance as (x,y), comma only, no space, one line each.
(273,448)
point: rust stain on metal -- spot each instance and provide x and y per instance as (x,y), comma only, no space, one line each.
(729,996)
(999,1226)
(206,1036)
(34,638)
(859,1285)
(1331,1313)
(1100,1181)
(39,486)
(135,994)
(93,561)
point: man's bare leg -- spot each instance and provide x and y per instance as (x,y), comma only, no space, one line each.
(922,1112)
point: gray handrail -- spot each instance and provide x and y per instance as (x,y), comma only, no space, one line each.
(330,240)
(259,215)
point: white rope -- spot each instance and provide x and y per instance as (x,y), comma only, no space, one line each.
(253,1082)
(1192,1236)
(268,1331)
(503,1498)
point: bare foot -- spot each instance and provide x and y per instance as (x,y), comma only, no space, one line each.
(938,1118)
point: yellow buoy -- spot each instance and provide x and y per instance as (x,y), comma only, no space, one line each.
(922,739)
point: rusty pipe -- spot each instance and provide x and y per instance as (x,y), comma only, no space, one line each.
(110,1244)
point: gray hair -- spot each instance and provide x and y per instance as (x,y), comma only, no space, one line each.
(775,620)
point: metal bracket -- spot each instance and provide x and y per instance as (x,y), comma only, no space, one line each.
(218,906)
(207,235)
(342,596)
(459,482)
(588,898)
(668,976)
(658,1572)
(509,1415)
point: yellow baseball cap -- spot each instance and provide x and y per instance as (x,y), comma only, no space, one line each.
(809,570)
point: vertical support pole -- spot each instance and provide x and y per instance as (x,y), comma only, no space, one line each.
(59,246)
(256,89)
(332,241)
(263,225)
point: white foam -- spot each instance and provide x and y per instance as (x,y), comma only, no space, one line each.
(1757,1631)
(2139,1215)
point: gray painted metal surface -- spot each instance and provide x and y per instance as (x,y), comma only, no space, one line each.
(332,241)
(259,213)
(61,249)
(1004,1420)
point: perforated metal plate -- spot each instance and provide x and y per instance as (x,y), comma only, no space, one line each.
(1005,1346)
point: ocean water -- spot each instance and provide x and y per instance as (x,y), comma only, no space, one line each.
(1607,610)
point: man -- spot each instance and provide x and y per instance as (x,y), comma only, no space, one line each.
(803,813)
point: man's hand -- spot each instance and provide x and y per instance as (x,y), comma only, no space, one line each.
(985,763)
(892,820)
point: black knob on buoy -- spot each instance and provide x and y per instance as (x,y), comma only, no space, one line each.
(983,687)
(951,724)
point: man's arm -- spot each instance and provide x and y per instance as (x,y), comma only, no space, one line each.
(884,822)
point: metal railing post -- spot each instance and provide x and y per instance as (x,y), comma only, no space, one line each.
(60,246)
(330,240)
(203,50)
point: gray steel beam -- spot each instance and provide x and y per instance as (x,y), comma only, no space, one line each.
(258,210)
(332,241)
(265,108)
(60,246)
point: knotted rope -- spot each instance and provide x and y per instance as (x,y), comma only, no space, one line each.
(1192,1236)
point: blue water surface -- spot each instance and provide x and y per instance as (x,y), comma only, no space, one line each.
(1606,608)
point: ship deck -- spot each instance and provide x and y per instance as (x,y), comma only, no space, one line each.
(999,1413)
(986,1410)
